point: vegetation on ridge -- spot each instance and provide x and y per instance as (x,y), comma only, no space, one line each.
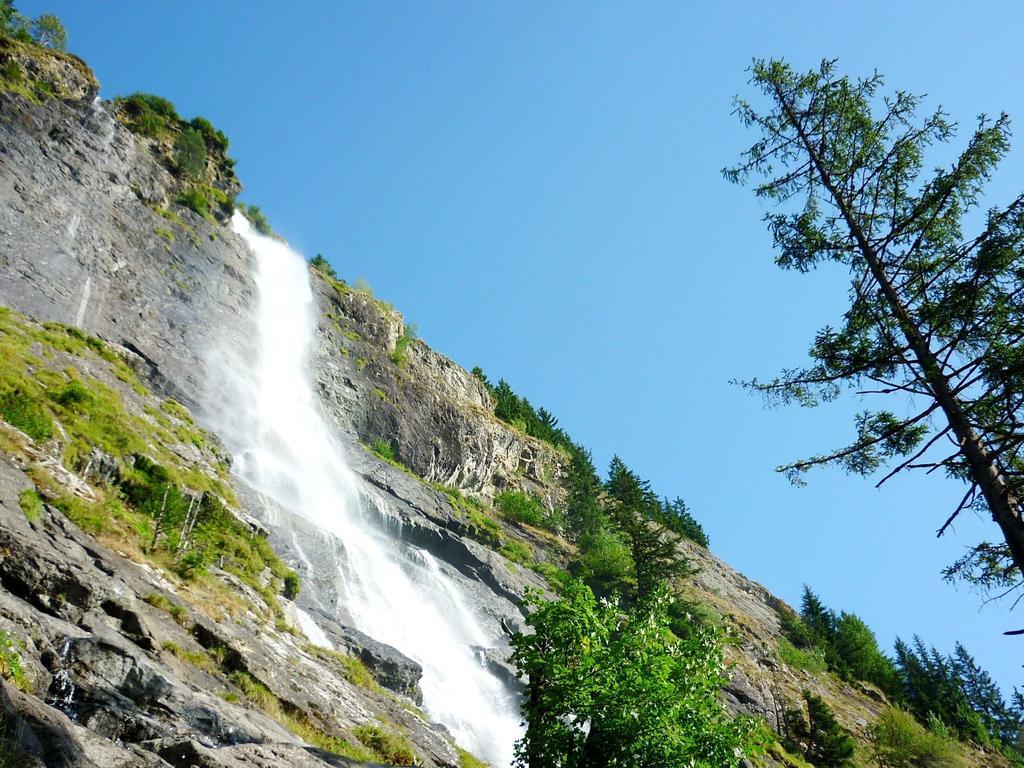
(146,496)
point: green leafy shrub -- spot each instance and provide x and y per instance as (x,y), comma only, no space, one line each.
(190,153)
(10,662)
(148,114)
(323,266)
(613,688)
(213,138)
(20,409)
(519,507)
(604,564)
(195,200)
(256,217)
(410,333)
(899,741)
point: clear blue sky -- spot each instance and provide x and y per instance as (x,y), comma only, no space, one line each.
(537,186)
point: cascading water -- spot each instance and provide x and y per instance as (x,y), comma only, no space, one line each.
(395,593)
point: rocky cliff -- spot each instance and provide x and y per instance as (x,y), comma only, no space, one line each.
(128,659)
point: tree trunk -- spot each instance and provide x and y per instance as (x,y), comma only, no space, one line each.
(984,469)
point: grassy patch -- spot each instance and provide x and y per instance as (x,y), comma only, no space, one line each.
(383,449)
(517,551)
(353,668)
(467,760)
(196,659)
(811,660)
(258,695)
(165,604)
(153,505)
(31,504)
(20,409)
(391,747)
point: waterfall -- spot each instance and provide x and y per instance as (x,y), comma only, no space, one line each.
(284,449)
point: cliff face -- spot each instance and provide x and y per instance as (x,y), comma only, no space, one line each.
(128,663)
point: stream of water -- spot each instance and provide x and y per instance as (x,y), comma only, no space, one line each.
(395,593)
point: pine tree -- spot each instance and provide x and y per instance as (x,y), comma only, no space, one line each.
(819,618)
(818,736)
(984,696)
(935,318)
(583,513)
(634,509)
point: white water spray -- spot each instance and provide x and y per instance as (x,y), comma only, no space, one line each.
(395,593)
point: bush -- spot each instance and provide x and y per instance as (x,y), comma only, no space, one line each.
(190,153)
(604,564)
(195,200)
(10,662)
(71,394)
(322,265)
(899,741)
(256,217)
(214,139)
(148,114)
(410,333)
(291,585)
(522,508)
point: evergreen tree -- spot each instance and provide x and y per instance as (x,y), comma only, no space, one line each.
(857,656)
(819,619)
(634,508)
(818,735)
(935,316)
(583,512)
(932,688)
(984,697)
(675,516)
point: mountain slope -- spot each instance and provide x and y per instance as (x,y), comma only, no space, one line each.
(129,659)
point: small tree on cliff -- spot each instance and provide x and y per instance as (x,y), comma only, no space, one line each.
(48,31)
(609,689)
(935,321)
